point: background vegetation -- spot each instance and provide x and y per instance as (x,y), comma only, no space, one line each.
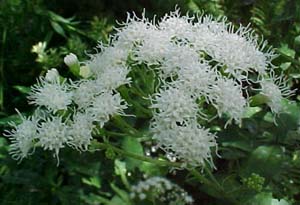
(260,161)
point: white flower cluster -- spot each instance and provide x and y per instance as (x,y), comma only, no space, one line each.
(160,189)
(196,58)
(70,110)
(199,57)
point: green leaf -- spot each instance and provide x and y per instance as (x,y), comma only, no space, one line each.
(287,51)
(57,28)
(120,167)
(92,181)
(123,195)
(132,145)
(22,89)
(13,118)
(258,99)
(266,198)
(251,111)
(267,161)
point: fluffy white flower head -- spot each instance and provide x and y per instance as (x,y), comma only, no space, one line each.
(227,96)
(53,134)
(80,131)
(22,137)
(275,89)
(190,143)
(106,105)
(174,105)
(52,95)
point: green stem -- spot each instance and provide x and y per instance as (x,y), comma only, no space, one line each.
(138,157)
(124,125)
(213,183)
(212,177)
(2,67)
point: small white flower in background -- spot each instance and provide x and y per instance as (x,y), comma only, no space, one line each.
(161,189)
(275,89)
(71,60)
(52,95)
(22,137)
(105,106)
(52,75)
(53,134)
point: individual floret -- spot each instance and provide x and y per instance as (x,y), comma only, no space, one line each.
(190,143)
(275,89)
(106,105)
(227,96)
(53,95)
(174,105)
(80,131)
(53,134)
(22,137)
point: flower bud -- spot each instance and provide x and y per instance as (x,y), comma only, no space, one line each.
(71,60)
(85,72)
(52,75)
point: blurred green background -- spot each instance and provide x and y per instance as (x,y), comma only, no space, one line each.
(35,35)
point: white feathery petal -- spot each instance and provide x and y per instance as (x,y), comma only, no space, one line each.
(190,142)
(113,77)
(53,134)
(198,79)
(52,95)
(109,57)
(275,89)
(80,131)
(22,137)
(174,105)
(227,96)
(105,106)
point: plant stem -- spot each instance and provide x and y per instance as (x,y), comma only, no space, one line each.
(124,125)
(2,67)
(213,183)
(138,157)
